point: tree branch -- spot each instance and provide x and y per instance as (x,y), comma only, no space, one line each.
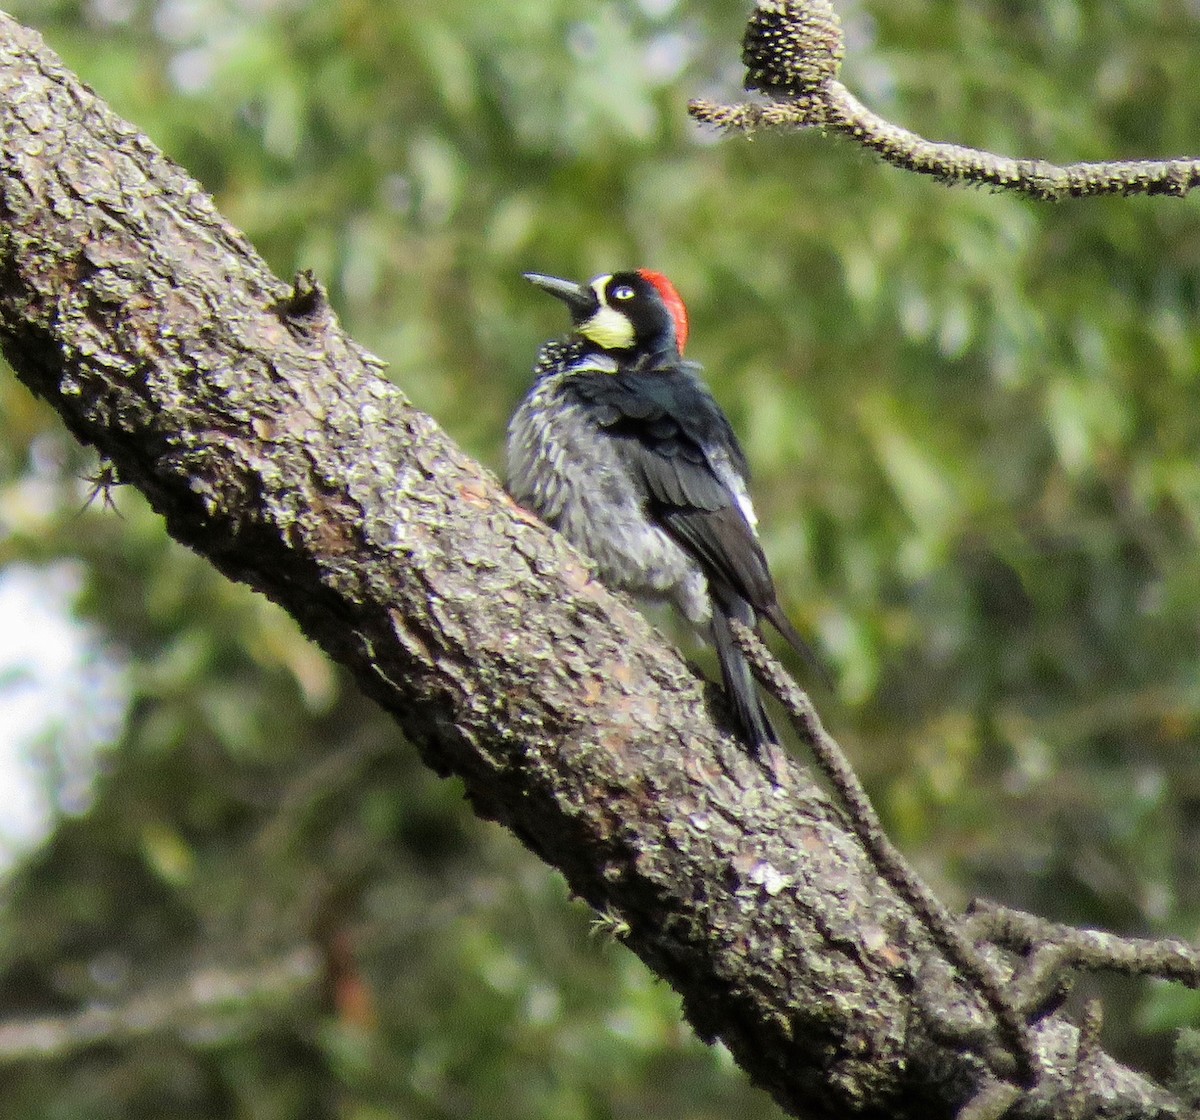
(793,53)
(271,444)
(944,930)
(211,1003)
(1053,950)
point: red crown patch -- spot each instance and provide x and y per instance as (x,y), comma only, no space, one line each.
(674,302)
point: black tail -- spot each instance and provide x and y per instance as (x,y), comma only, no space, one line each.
(783,624)
(740,686)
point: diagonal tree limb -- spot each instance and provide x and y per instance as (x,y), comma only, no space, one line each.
(271,444)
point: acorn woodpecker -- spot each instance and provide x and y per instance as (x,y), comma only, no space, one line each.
(620,446)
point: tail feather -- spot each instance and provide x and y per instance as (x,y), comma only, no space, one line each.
(781,622)
(740,686)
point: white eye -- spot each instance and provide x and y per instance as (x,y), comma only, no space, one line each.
(623,292)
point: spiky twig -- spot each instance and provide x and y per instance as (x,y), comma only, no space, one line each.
(1054,950)
(944,930)
(793,51)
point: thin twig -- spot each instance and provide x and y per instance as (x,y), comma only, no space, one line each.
(1087,1046)
(1086,949)
(992,1101)
(793,52)
(941,925)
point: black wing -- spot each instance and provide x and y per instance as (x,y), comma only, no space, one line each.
(674,432)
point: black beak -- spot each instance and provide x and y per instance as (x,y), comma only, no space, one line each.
(579,298)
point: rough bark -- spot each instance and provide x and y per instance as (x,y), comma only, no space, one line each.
(273,445)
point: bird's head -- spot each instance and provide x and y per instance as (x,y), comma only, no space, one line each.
(630,313)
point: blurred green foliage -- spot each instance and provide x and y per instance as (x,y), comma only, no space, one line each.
(974,428)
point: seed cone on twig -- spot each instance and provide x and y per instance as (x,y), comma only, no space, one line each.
(792,49)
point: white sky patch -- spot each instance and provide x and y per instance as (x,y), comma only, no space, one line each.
(666,55)
(61,700)
(658,9)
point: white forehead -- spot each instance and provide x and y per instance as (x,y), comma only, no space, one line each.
(599,284)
